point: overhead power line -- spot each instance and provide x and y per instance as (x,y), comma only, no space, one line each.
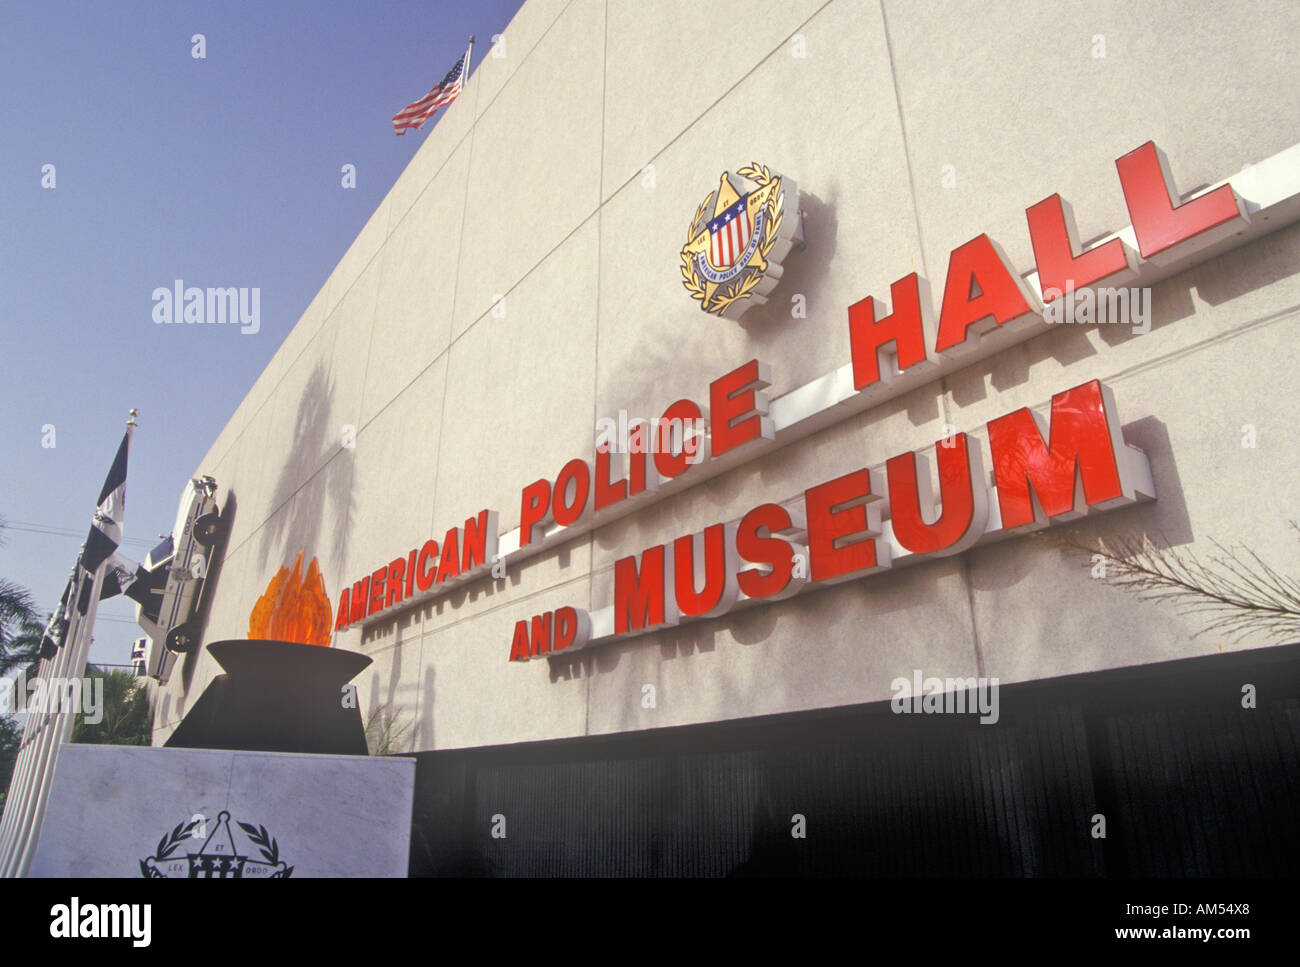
(52,531)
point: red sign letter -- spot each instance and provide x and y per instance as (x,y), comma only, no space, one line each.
(639,599)
(342,621)
(837,510)
(535,510)
(541,634)
(449,565)
(572,629)
(569,511)
(1149,194)
(678,422)
(480,544)
(903,328)
(607,492)
(360,596)
(719,592)
(980,286)
(377,589)
(1054,238)
(738,407)
(1081,445)
(756,542)
(962,498)
(396,576)
(519,644)
(424,574)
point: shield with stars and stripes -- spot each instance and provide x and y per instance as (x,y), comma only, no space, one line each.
(729,234)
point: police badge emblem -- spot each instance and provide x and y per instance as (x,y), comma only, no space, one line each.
(218,857)
(737,240)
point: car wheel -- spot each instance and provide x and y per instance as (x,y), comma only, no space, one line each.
(182,639)
(207,529)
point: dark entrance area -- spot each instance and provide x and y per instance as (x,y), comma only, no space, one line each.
(1188,781)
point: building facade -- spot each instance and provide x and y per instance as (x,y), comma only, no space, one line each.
(523,281)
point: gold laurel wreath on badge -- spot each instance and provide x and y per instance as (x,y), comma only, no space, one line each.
(723,298)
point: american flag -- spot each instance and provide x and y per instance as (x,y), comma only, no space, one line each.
(729,234)
(444,92)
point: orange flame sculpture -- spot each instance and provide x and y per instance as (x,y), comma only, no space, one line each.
(294,607)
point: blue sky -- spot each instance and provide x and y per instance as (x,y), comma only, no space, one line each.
(222,171)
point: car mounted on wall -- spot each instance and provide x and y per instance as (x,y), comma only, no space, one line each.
(177,568)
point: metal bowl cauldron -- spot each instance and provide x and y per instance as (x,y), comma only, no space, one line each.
(277,696)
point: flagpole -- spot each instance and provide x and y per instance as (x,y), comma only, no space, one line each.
(60,728)
(16,795)
(18,780)
(34,724)
(55,727)
(41,744)
(37,741)
(18,785)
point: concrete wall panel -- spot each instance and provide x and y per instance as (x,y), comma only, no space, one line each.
(538,195)
(535,187)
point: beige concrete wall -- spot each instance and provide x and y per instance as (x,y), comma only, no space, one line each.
(535,187)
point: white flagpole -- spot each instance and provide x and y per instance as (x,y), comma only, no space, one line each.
(36,732)
(43,743)
(54,727)
(60,729)
(33,726)
(18,780)
(37,739)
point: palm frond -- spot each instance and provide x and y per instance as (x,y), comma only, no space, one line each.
(1232,589)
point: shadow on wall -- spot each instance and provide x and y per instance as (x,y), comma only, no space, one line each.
(763,324)
(802,276)
(424,729)
(1168,522)
(389,720)
(391,632)
(1254,266)
(300,504)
